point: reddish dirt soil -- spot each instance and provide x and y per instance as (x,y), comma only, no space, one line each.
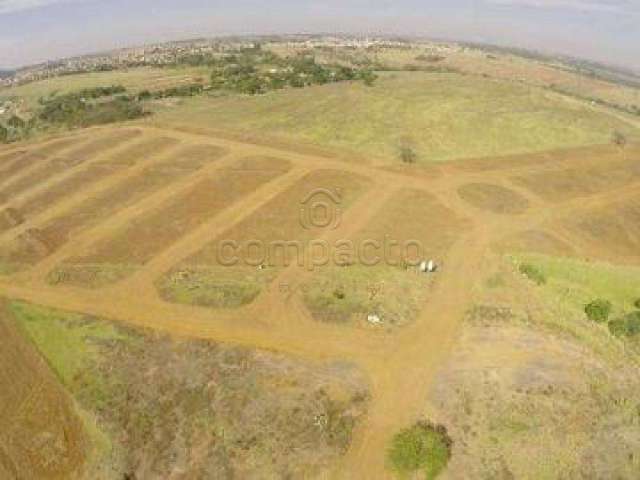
(493,198)
(148,236)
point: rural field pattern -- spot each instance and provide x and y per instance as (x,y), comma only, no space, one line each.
(93,222)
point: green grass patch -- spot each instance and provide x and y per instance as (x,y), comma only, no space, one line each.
(580,282)
(221,287)
(345,294)
(574,284)
(69,342)
(442,116)
(421,448)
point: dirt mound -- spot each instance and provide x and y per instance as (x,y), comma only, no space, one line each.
(40,435)
(493,198)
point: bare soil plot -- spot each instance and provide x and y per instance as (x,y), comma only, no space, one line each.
(10,161)
(383,278)
(566,184)
(493,198)
(18,161)
(145,237)
(275,236)
(36,244)
(556,158)
(539,241)
(70,159)
(93,174)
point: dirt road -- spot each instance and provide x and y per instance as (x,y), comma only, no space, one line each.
(400,365)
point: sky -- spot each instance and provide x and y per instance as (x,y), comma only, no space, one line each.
(33,31)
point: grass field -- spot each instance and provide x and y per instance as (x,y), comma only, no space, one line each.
(135,80)
(578,282)
(441,116)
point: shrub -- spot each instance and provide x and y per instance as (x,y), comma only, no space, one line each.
(532,273)
(75,111)
(618,138)
(598,310)
(422,447)
(636,303)
(16,122)
(627,326)
(408,154)
(144,95)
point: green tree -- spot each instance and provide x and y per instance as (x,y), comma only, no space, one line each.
(422,447)
(16,122)
(627,326)
(598,310)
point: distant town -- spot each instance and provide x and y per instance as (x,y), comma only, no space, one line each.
(171,53)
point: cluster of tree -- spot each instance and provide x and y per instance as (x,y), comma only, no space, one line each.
(627,325)
(83,108)
(254,54)
(94,106)
(246,75)
(16,128)
(189,90)
(432,58)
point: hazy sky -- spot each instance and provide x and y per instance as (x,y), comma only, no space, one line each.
(37,30)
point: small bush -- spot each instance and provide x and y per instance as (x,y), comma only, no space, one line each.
(532,273)
(618,138)
(627,326)
(636,303)
(407,151)
(408,155)
(598,310)
(422,447)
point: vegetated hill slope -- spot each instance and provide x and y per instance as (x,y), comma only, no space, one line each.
(440,116)
(40,435)
(133,80)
